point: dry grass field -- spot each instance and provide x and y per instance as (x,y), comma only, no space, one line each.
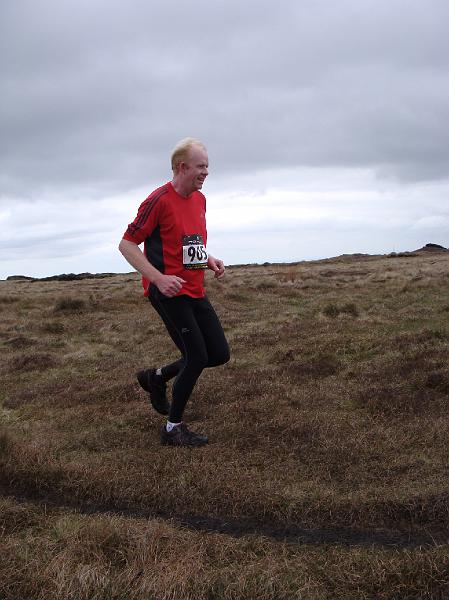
(326,475)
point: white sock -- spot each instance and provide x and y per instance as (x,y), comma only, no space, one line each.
(170,426)
(159,372)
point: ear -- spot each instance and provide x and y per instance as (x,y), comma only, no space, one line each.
(182,167)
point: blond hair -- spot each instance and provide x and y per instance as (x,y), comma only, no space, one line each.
(181,151)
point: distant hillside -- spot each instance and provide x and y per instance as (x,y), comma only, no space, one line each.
(427,248)
(62,277)
(79,276)
(432,248)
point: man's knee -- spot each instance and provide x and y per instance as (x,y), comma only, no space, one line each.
(220,358)
(198,362)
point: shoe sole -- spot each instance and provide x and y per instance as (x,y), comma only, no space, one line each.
(142,379)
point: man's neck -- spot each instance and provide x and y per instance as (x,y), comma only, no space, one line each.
(180,189)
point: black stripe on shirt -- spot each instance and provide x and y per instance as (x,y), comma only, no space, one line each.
(150,202)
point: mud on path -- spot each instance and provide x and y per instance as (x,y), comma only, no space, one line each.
(292,533)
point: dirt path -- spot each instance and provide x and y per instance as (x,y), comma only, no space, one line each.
(290,533)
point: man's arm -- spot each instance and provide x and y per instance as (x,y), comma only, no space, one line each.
(169,285)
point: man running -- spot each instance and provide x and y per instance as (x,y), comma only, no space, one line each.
(172,224)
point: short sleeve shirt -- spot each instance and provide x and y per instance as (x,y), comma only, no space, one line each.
(173,230)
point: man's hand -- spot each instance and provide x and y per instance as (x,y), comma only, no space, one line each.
(169,285)
(216,265)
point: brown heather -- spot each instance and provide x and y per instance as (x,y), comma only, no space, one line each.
(327,472)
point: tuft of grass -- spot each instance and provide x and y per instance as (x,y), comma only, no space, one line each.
(33,362)
(68,304)
(333,310)
(238,297)
(8,299)
(290,275)
(5,442)
(350,309)
(438,380)
(318,367)
(19,342)
(266,284)
(53,327)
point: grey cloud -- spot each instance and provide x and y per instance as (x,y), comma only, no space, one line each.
(95,94)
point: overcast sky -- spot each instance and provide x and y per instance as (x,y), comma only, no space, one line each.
(326,122)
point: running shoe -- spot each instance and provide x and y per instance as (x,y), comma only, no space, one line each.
(182,436)
(155,386)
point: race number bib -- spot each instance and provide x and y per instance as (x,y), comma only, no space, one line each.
(194,255)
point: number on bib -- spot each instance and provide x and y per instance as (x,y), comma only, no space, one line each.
(194,254)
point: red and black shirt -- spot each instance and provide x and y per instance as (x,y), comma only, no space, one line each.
(173,229)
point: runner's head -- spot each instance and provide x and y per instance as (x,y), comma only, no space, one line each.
(182,151)
(190,164)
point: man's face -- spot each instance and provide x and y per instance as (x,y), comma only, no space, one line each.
(195,169)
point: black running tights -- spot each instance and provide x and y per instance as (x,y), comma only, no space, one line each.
(196,330)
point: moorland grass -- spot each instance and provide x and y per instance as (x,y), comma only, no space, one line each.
(326,475)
